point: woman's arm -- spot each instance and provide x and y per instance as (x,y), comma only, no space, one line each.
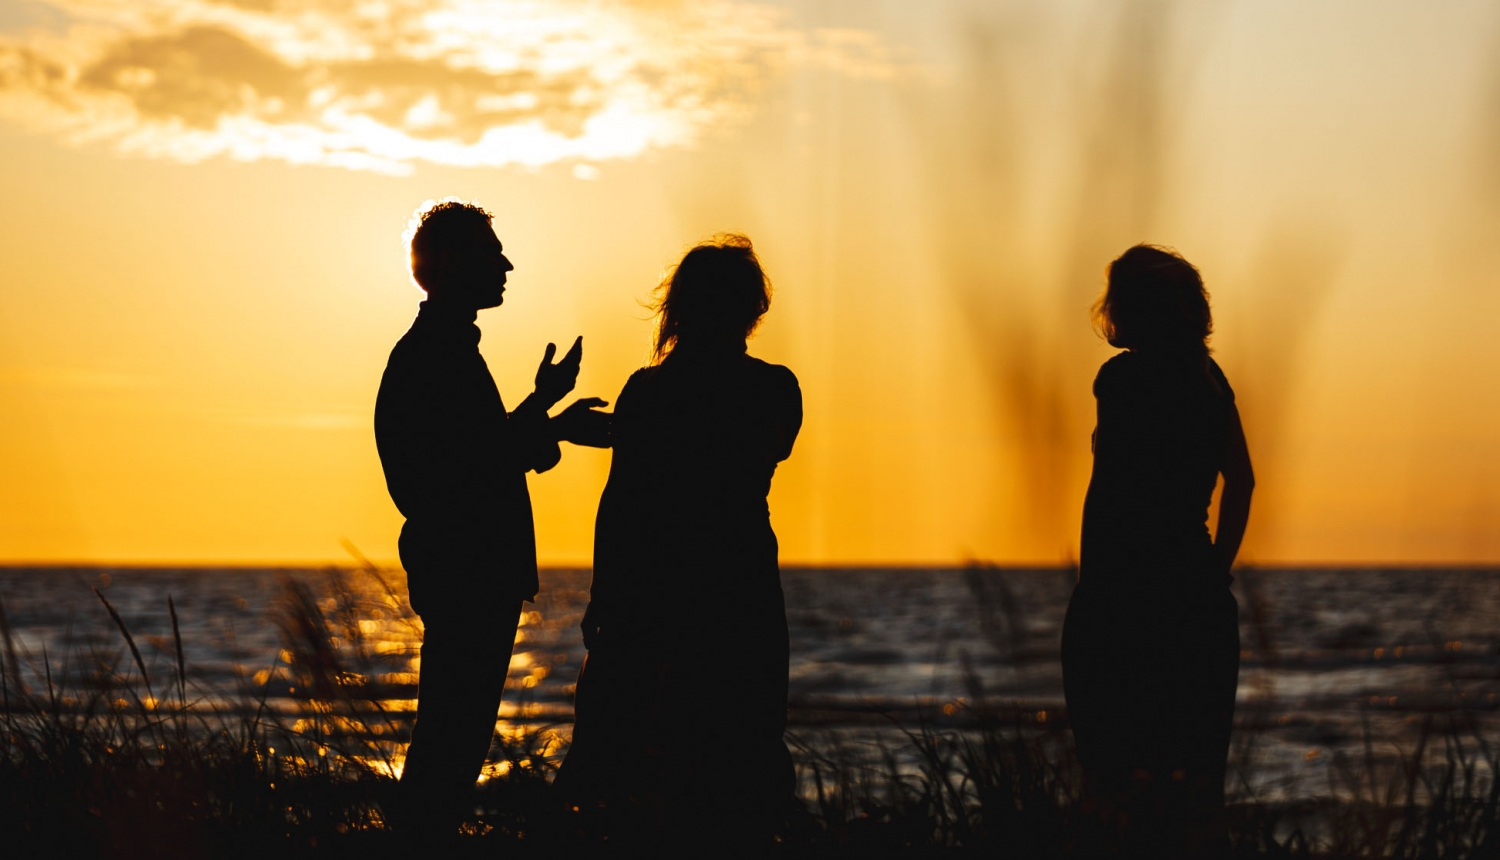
(790,408)
(1234,504)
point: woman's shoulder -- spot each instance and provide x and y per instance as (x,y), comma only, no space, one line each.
(777,387)
(637,385)
(1122,364)
(1216,373)
(781,392)
(775,374)
(776,380)
(1121,371)
(643,375)
(1129,372)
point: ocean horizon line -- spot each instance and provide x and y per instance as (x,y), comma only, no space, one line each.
(839,566)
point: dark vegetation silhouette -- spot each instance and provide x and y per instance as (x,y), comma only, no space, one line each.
(455,462)
(98,758)
(684,553)
(1151,640)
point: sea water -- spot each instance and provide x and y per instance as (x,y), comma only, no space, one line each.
(1330,659)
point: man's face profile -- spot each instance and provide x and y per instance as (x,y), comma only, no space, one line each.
(470,272)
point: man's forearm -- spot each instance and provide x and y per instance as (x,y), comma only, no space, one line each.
(532,409)
(532,436)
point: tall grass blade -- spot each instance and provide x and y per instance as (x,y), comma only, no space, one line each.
(129,640)
(181,663)
(11,664)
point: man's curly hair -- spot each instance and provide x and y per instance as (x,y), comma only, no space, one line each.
(439,224)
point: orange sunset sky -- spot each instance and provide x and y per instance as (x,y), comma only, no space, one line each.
(203,273)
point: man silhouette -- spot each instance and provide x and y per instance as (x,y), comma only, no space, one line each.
(455,463)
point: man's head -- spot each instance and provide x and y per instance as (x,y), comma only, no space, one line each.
(455,257)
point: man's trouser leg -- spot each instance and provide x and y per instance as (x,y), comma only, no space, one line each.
(461,677)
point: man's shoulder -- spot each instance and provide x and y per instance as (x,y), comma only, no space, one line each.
(420,345)
(418,336)
(411,366)
(404,356)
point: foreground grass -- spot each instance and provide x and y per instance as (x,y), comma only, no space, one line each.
(109,762)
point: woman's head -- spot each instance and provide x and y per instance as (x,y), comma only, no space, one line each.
(1154,301)
(715,297)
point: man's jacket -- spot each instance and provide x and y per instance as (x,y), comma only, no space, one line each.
(456,464)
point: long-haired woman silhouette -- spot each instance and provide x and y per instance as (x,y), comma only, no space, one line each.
(1151,640)
(681,704)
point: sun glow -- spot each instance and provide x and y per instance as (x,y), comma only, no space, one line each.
(380,86)
(192,336)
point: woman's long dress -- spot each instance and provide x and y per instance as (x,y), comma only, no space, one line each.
(1151,640)
(681,705)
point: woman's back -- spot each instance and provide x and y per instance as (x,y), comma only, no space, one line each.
(683,518)
(704,436)
(1159,445)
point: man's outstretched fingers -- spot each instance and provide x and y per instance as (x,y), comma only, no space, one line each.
(575,352)
(547,356)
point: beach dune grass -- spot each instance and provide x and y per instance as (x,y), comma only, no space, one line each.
(100,759)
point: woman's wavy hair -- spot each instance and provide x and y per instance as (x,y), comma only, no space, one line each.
(717,293)
(1154,300)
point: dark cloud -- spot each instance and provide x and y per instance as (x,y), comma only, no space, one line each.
(196,76)
(202,74)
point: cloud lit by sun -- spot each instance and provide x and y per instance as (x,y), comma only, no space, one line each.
(383,85)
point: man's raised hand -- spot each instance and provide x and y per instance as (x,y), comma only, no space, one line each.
(554,381)
(582,424)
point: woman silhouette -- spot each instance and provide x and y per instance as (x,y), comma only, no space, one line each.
(1151,641)
(681,704)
